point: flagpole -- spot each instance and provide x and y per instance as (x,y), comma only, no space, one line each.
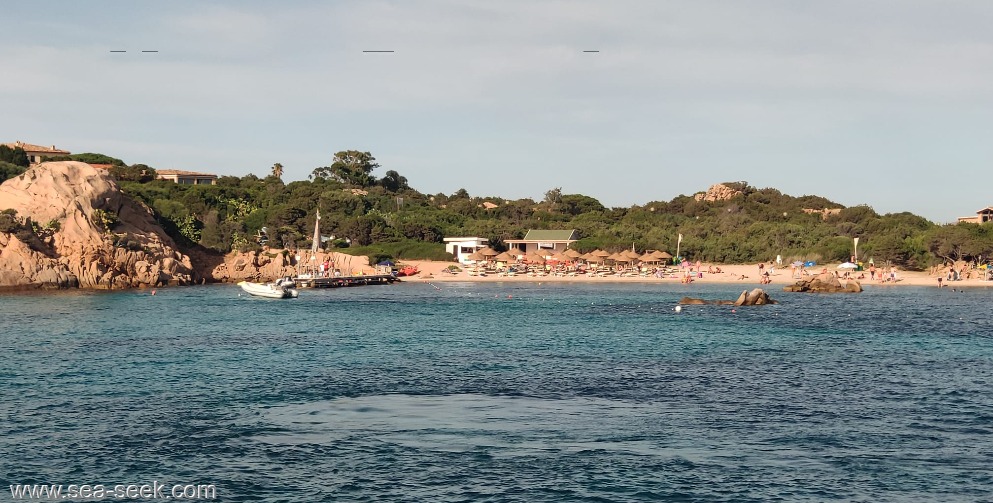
(678,242)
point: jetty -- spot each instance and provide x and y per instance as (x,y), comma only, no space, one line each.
(340,281)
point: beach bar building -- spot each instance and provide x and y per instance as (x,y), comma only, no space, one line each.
(545,240)
(462,247)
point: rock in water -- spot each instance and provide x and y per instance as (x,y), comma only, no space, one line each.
(756,297)
(824,283)
(742,298)
(94,236)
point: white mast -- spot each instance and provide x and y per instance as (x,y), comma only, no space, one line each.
(317,234)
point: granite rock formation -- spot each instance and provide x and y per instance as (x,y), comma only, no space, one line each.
(77,229)
(756,297)
(717,192)
(825,283)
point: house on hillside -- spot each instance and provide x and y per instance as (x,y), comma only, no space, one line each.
(35,153)
(982,216)
(550,240)
(186,177)
(462,247)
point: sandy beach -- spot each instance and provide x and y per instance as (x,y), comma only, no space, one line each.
(747,275)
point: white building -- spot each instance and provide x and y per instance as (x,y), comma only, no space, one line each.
(186,177)
(462,247)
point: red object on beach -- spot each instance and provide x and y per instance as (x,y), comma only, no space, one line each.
(408,270)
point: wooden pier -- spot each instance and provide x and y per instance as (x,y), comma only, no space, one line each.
(339,281)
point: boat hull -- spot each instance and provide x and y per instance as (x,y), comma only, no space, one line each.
(268,290)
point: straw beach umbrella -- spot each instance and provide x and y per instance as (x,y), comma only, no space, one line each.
(489,252)
(534,258)
(573,254)
(599,255)
(516,253)
(476,256)
(505,257)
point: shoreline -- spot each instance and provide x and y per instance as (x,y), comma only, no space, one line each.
(431,271)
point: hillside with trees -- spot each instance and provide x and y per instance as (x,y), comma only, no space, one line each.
(386,217)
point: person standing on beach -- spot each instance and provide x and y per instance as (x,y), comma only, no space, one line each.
(939,281)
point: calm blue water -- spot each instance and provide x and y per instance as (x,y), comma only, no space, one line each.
(503,392)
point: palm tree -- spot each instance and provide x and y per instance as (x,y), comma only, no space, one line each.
(277,170)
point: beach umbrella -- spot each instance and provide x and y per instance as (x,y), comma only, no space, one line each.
(476,256)
(664,255)
(560,257)
(516,253)
(505,257)
(535,258)
(631,254)
(489,252)
(848,265)
(572,253)
(798,263)
(598,256)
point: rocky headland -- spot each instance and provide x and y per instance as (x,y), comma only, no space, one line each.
(68,225)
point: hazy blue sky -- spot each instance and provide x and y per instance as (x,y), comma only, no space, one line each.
(886,103)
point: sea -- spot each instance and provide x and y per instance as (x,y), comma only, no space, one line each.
(502,392)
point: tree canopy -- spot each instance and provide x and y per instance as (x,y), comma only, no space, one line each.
(16,156)
(350,167)
(755,225)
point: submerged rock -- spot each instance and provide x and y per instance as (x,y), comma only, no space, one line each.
(756,297)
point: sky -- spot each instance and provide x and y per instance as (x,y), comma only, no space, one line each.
(885,103)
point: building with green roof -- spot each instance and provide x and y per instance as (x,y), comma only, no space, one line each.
(545,239)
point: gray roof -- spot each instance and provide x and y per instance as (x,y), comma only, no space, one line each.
(551,235)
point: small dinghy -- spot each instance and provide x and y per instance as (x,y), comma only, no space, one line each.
(280,289)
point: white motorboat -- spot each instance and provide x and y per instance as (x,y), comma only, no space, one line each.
(281,289)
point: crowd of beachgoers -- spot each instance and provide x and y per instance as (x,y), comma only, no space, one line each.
(951,275)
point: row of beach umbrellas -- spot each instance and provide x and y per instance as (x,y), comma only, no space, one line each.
(568,256)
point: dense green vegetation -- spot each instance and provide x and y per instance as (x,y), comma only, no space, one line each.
(13,162)
(386,218)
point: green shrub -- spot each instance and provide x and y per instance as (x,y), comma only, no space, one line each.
(9,222)
(105,220)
